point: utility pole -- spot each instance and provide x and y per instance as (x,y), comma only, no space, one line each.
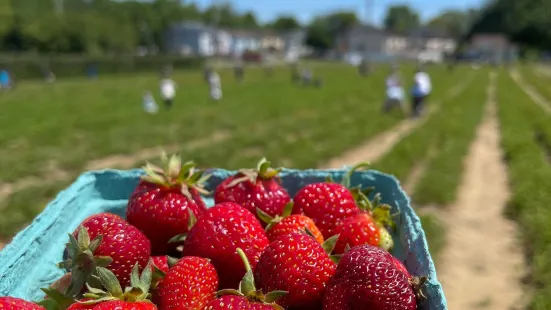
(217,5)
(368,14)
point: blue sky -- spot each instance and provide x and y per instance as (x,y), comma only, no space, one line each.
(304,10)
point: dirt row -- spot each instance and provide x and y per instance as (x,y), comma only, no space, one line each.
(482,264)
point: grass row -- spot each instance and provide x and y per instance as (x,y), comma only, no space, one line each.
(530,176)
(446,135)
(318,124)
(539,81)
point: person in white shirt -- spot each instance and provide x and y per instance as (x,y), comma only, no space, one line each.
(168,91)
(394,91)
(149,104)
(422,88)
(215,85)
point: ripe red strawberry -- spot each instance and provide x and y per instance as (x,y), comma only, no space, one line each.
(327,204)
(12,303)
(79,306)
(400,266)
(217,235)
(238,303)
(125,305)
(160,265)
(115,244)
(161,262)
(286,224)
(190,284)
(367,278)
(247,297)
(254,189)
(366,227)
(297,264)
(163,200)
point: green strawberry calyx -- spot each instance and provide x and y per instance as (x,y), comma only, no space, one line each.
(174,174)
(248,289)
(82,262)
(328,246)
(138,291)
(271,221)
(263,171)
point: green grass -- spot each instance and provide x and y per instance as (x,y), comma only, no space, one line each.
(530,177)
(72,122)
(540,82)
(446,135)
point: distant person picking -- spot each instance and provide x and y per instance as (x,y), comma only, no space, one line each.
(168,91)
(422,88)
(394,92)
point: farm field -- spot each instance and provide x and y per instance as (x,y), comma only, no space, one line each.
(477,165)
(89,122)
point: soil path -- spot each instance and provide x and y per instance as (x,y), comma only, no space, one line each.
(481,266)
(530,91)
(379,145)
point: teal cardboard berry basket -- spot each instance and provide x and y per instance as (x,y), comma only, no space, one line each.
(28,262)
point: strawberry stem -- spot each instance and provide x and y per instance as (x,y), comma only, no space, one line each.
(348,175)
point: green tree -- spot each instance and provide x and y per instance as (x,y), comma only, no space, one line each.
(455,22)
(401,19)
(284,23)
(323,29)
(248,21)
(6,17)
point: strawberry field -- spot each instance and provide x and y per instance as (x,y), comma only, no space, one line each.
(55,132)
(52,133)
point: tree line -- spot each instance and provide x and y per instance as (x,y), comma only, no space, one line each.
(99,27)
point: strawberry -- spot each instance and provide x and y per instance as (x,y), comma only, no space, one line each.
(13,303)
(247,297)
(160,265)
(286,224)
(161,262)
(190,284)
(297,264)
(217,235)
(367,278)
(366,227)
(114,297)
(125,305)
(400,266)
(161,204)
(115,244)
(80,305)
(254,188)
(327,203)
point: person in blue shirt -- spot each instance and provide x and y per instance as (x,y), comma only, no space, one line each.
(4,79)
